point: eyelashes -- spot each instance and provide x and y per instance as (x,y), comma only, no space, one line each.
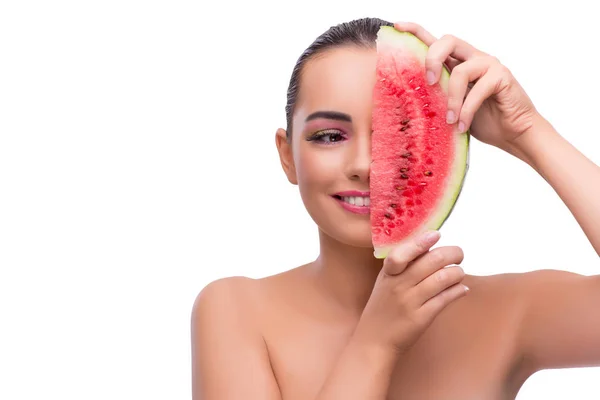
(327,137)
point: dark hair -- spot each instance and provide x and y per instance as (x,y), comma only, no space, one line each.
(360,32)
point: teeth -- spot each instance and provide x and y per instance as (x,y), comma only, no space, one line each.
(357,201)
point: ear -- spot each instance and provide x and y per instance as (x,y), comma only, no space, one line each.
(285,155)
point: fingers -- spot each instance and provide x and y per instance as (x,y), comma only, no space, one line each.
(437,283)
(431,262)
(439,52)
(428,39)
(448,50)
(436,304)
(400,256)
(493,81)
(475,75)
(461,76)
(416,30)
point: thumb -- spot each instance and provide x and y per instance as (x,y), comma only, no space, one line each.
(405,252)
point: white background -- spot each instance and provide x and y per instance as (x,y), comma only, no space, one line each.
(138,163)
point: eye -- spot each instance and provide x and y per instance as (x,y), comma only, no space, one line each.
(327,136)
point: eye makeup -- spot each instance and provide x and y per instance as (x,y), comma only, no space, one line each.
(327,136)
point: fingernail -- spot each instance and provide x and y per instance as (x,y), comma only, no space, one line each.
(430,77)
(431,236)
(461,127)
(466,288)
(450,117)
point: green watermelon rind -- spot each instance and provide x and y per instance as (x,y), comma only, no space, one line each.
(390,36)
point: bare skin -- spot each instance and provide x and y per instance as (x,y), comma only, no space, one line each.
(348,326)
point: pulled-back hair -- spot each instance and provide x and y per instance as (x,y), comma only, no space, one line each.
(360,32)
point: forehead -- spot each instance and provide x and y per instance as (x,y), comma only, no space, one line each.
(339,79)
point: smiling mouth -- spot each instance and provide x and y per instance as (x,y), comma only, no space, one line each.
(358,201)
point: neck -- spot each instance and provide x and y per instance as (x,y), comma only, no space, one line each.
(346,273)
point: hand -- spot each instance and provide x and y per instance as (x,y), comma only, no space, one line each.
(412,288)
(483,94)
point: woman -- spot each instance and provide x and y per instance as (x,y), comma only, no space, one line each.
(349,326)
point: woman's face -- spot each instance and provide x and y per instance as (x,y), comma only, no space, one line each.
(330,153)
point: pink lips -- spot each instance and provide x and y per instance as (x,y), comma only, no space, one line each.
(350,207)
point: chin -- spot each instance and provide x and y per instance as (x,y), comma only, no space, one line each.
(339,224)
(352,236)
(348,231)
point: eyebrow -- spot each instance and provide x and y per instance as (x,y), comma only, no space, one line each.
(329,115)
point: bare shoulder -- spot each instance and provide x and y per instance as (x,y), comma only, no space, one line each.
(503,296)
(516,283)
(227,343)
(522,286)
(559,306)
(495,288)
(226,294)
(226,307)
(515,291)
(241,299)
(537,309)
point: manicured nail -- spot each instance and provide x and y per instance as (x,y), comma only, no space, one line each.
(461,127)
(450,117)
(431,236)
(430,77)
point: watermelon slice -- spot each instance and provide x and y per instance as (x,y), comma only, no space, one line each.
(419,162)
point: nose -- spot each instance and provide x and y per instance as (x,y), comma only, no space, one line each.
(359,158)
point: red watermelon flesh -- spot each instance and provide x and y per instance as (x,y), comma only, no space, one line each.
(419,161)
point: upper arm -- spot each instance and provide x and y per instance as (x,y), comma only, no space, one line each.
(229,356)
(561,325)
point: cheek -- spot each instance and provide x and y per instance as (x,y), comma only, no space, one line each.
(317,167)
